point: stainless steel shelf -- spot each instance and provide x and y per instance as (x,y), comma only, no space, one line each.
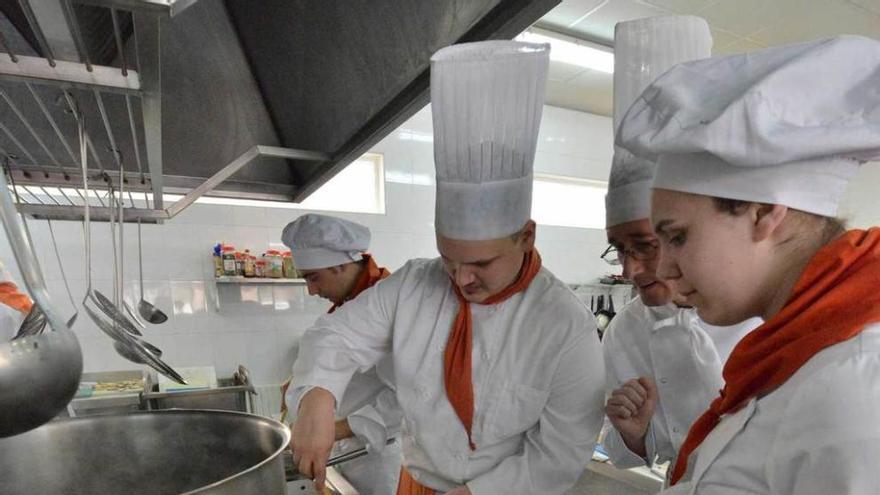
(259,281)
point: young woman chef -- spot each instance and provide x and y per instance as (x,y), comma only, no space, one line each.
(754,153)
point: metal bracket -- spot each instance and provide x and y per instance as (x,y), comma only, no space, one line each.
(167,7)
(236,165)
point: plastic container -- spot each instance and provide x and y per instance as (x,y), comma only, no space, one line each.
(274,264)
(287,268)
(229,261)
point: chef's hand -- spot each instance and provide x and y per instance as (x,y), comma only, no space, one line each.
(313,435)
(630,409)
(343,430)
(461,490)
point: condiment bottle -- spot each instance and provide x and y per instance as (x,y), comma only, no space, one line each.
(250,265)
(229,261)
(239,264)
(218,260)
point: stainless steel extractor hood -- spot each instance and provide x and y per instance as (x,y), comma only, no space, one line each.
(240,98)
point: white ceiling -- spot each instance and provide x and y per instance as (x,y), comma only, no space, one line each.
(737,26)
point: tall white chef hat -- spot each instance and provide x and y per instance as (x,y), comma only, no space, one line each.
(321,241)
(643,50)
(787,125)
(486,100)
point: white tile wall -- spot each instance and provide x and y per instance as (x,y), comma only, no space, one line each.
(259,326)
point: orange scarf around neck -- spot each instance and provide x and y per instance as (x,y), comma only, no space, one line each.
(835,298)
(370,276)
(457,358)
(10,296)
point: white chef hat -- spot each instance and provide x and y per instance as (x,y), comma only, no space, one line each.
(486,101)
(321,241)
(643,50)
(787,125)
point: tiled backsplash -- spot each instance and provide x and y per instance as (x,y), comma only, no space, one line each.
(259,325)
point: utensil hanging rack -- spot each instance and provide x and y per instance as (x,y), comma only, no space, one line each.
(40,91)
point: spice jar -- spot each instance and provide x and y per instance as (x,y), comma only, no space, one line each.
(260,268)
(250,265)
(287,268)
(229,261)
(274,263)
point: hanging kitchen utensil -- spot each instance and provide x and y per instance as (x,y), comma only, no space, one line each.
(72,319)
(132,346)
(40,373)
(100,300)
(120,278)
(147,311)
(33,323)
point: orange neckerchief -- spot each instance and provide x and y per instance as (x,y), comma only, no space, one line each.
(10,296)
(457,358)
(835,298)
(369,277)
(407,485)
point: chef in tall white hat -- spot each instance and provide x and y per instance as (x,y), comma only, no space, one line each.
(331,254)
(753,155)
(497,372)
(663,365)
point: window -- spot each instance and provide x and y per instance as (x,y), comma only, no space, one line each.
(359,188)
(569,201)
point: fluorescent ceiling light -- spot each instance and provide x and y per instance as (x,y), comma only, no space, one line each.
(572,51)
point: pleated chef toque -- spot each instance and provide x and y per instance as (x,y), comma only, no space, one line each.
(321,241)
(786,125)
(486,101)
(643,50)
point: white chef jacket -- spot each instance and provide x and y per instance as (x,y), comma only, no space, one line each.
(537,372)
(817,434)
(682,355)
(370,405)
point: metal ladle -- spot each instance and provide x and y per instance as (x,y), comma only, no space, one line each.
(39,374)
(147,311)
(35,321)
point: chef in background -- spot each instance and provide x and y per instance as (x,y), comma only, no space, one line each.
(14,305)
(663,366)
(497,364)
(753,153)
(330,253)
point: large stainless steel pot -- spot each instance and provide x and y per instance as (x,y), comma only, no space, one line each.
(158,452)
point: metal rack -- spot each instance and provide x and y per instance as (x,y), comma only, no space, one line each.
(121,104)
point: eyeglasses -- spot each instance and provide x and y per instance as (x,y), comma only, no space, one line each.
(641,251)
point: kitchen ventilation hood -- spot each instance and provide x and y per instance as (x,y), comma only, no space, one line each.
(260,99)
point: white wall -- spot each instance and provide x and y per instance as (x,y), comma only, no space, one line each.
(258,325)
